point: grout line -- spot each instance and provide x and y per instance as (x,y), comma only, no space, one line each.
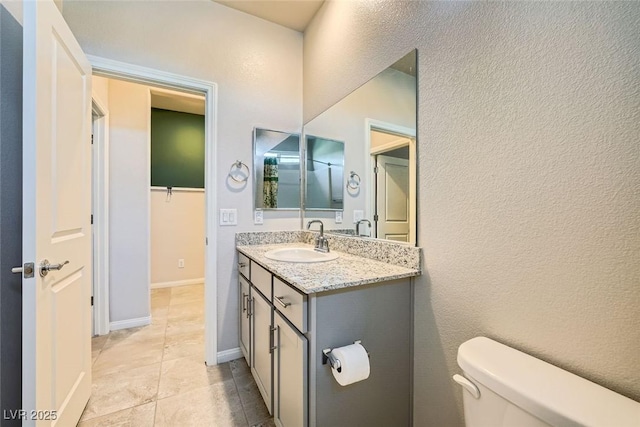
(235,384)
(114,412)
(164,342)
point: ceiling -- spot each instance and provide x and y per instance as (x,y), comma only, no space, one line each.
(294,14)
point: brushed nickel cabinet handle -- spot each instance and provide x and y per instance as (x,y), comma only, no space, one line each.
(272,338)
(282,303)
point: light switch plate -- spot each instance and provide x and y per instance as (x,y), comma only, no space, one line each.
(228,217)
(358,215)
(258,218)
(338,217)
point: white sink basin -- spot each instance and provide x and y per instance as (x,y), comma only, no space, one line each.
(300,255)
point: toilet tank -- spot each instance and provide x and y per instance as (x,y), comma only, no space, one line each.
(515,389)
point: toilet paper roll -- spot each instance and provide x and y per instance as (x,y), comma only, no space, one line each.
(354,362)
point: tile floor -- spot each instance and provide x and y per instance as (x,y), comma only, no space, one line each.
(155,375)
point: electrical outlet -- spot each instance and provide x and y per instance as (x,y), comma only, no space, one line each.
(358,215)
(338,217)
(181,263)
(258,217)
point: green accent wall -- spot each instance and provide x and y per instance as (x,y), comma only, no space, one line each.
(177,149)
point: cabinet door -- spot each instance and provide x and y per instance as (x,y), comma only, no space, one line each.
(290,375)
(261,365)
(245,321)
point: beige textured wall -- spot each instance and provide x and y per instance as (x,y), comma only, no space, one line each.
(258,68)
(529,175)
(177,232)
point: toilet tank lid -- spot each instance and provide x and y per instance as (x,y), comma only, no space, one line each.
(552,394)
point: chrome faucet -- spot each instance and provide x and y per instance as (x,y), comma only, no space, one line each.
(358,225)
(322,244)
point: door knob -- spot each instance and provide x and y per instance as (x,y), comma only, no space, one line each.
(46,266)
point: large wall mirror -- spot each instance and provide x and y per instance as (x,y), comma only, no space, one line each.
(276,166)
(377,124)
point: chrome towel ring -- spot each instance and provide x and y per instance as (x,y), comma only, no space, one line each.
(237,171)
(353,182)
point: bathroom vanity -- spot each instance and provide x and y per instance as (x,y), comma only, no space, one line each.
(291,311)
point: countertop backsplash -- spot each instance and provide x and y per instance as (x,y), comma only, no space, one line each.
(380,250)
(267,237)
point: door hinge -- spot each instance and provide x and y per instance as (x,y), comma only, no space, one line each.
(206,241)
(92,301)
(375,217)
(91,138)
(375,169)
(91,218)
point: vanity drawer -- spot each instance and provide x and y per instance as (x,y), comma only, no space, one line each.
(291,303)
(243,265)
(261,279)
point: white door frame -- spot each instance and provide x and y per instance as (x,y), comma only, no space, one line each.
(100,212)
(148,76)
(372,124)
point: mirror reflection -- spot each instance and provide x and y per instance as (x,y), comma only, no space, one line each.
(276,166)
(324,173)
(377,123)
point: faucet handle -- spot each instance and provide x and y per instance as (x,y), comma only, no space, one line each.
(321,244)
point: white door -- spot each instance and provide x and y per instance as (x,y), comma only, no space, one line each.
(392,199)
(56,225)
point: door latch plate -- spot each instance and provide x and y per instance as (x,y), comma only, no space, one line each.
(28,270)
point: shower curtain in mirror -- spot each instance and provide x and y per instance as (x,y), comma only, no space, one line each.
(270,182)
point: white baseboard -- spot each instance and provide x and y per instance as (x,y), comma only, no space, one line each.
(130,323)
(177,283)
(228,355)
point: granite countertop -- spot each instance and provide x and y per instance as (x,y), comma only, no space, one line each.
(345,271)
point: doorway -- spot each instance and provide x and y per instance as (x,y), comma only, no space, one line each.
(391,216)
(177,189)
(391,159)
(167,81)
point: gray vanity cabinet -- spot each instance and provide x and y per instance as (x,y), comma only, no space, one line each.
(245,318)
(256,320)
(290,375)
(261,345)
(290,329)
(244,303)
(273,342)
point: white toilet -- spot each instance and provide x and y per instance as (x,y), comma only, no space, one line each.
(505,387)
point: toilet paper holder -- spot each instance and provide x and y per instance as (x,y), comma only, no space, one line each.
(327,356)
